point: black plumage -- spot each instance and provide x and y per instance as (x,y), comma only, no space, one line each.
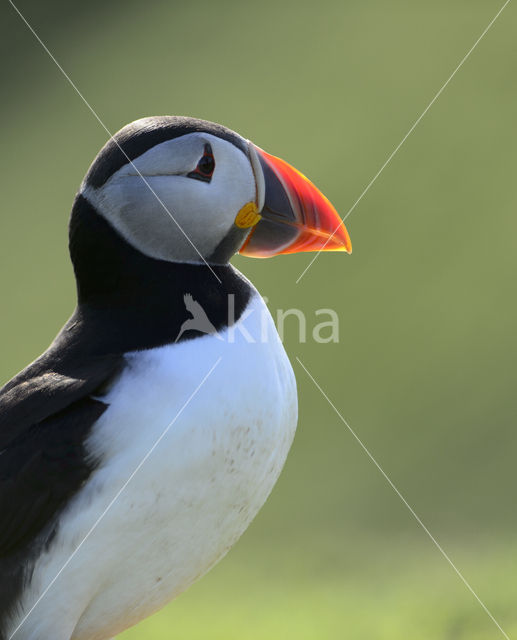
(126,301)
(138,137)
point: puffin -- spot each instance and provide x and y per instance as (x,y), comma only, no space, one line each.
(138,447)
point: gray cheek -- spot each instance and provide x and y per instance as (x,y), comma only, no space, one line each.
(152,230)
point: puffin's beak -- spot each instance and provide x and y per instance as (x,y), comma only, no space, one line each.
(295,215)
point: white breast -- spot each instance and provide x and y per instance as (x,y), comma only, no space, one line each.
(191,499)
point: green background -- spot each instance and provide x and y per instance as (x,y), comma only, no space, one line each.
(424,370)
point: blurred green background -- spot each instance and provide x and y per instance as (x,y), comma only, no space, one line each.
(425,368)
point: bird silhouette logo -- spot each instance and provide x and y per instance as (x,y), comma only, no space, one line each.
(199,320)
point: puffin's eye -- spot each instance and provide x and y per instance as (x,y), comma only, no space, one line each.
(205,167)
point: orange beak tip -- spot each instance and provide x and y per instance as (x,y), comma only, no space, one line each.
(341,240)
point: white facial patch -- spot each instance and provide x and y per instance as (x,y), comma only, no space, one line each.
(167,215)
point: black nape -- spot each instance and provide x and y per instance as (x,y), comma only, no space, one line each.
(136,301)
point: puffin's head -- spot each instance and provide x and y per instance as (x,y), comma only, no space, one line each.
(186,190)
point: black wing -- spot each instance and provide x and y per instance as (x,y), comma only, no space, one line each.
(44,420)
(46,413)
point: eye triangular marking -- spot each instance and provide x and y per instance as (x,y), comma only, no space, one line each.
(205,167)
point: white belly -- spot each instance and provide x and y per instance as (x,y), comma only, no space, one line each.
(190,500)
